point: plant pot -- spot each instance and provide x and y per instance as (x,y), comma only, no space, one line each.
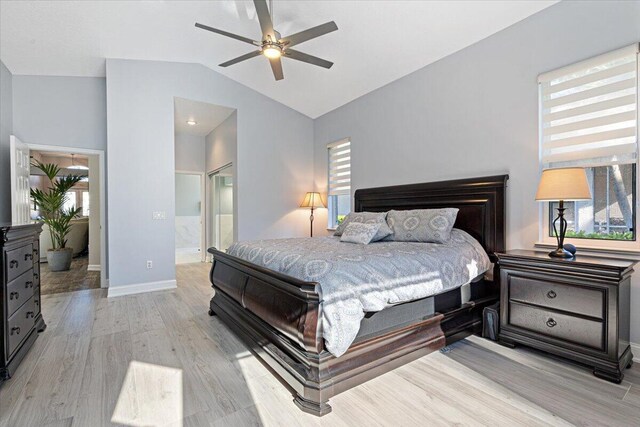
(59,259)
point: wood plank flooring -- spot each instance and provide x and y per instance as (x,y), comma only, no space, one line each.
(159,359)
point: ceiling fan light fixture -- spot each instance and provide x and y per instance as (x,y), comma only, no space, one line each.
(74,166)
(272,51)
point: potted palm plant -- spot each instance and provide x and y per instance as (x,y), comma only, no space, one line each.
(50,203)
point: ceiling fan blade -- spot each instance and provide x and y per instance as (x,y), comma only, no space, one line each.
(304,57)
(309,34)
(266,25)
(241,58)
(276,66)
(225,33)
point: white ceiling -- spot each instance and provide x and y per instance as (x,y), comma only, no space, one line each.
(377,41)
(207,116)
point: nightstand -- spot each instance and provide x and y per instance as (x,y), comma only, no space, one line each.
(574,308)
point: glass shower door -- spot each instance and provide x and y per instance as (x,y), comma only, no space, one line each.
(221,208)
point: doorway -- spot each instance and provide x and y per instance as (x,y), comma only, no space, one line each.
(189,217)
(220,219)
(87,234)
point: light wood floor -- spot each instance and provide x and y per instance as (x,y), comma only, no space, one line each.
(159,359)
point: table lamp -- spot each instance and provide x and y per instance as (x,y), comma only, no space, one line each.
(312,200)
(566,184)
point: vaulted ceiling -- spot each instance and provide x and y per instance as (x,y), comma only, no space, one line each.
(377,41)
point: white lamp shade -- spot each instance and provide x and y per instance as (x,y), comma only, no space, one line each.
(563,184)
(312,200)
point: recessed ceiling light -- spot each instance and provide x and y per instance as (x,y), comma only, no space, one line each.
(192,122)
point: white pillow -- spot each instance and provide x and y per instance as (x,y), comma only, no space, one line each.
(359,232)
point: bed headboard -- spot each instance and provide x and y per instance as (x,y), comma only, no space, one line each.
(481,202)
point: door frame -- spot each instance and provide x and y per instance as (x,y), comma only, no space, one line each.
(203,209)
(208,175)
(104,281)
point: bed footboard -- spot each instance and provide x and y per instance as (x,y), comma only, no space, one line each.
(278,318)
(288,305)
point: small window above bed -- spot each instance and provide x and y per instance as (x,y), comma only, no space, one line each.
(588,118)
(339,185)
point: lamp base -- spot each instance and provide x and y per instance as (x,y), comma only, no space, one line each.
(561,253)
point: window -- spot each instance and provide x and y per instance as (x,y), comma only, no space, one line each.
(588,118)
(70,201)
(85,203)
(610,215)
(339,194)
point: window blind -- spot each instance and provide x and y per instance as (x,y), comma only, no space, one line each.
(340,168)
(589,111)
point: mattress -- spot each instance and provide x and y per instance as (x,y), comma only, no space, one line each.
(359,279)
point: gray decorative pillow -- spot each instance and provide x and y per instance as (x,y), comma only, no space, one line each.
(422,225)
(366,218)
(359,232)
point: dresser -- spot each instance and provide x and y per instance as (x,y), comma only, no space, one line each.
(574,308)
(20,294)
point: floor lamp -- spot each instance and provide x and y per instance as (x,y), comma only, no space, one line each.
(312,200)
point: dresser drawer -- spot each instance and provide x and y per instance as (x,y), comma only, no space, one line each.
(574,299)
(19,291)
(36,252)
(20,324)
(19,260)
(588,333)
(36,274)
(37,306)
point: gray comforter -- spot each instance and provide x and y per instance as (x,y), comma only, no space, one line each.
(356,279)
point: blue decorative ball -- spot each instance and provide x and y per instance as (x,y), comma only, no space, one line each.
(570,248)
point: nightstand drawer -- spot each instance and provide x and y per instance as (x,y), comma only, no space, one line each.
(574,299)
(588,333)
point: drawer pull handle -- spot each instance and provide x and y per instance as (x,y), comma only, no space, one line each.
(15,329)
(13,263)
(551,323)
(14,294)
(28,284)
(36,276)
(35,252)
(551,294)
(30,314)
(36,302)
(28,256)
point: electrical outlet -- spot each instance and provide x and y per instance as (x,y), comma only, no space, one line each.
(149,264)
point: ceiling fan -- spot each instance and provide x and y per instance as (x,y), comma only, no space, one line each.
(273,46)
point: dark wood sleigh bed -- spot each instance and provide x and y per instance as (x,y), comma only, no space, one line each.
(277,316)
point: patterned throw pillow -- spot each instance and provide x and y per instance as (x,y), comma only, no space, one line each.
(359,232)
(422,225)
(367,218)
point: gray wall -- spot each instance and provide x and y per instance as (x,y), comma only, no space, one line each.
(475,112)
(221,148)
(63,111)
(221,145)
(189,152)
(6,129)
(274,151)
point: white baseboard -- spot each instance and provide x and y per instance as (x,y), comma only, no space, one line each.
(635,349)
(139,288)
(94,267)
